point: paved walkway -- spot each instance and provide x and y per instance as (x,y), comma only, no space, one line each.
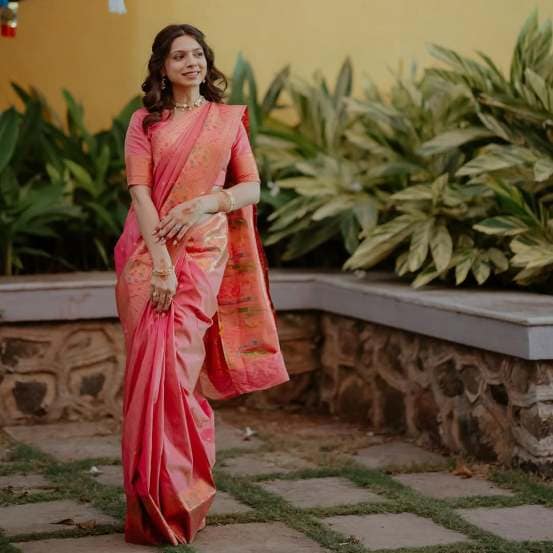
(287,483)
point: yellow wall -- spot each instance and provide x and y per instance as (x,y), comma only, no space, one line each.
(101,57)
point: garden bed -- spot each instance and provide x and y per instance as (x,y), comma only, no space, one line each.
(468,369)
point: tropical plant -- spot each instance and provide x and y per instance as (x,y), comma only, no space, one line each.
(81,171)
(529,226)
(518,164)
(317,170)
(27,210)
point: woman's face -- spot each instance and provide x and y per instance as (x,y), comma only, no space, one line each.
(186,66)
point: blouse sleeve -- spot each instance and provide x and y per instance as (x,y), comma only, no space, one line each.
(242,161)
(138,152)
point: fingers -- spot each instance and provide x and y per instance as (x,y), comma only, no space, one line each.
(161,299)
(161,234)
(167,301)
(181,234)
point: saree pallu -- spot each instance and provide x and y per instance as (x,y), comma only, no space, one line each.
(217,340)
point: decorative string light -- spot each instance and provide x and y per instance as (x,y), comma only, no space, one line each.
(8,18)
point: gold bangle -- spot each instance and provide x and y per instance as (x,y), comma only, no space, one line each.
(232,200)
(161,272)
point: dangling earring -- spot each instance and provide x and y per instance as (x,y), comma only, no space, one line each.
(163,83)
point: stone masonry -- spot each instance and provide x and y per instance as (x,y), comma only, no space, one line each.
(490,405)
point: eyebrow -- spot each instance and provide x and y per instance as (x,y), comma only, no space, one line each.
(191,49)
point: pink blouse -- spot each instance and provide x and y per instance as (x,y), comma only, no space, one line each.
(142,151)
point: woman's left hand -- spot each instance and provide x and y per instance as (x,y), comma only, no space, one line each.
(178,220)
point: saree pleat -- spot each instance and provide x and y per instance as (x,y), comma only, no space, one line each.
(213,342)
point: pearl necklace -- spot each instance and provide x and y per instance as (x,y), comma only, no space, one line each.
(183,107)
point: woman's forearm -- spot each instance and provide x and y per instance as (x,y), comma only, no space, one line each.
(244,193)
(148,218)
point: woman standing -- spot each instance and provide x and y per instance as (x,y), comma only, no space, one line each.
(192,289)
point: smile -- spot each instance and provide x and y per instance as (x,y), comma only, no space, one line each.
(191,74)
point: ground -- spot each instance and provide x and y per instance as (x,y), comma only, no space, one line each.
(301,483)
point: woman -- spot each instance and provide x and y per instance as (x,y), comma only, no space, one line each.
(192,289)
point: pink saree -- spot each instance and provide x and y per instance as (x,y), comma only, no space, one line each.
(219,337)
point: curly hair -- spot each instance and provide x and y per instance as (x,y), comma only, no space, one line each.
(156,99)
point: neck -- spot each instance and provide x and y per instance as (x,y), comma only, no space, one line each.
(186,95)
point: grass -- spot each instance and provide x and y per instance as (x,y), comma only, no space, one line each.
(72,480)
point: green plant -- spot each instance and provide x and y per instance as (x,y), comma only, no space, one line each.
(317,171)
(27,210)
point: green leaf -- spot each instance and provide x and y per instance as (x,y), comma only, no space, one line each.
(463,266)
(416,192)
(502,226)
(426,276)
(419,244)
(441,246)
(481,269)
(499,259)
(9,131)
(543,169)
(450,140)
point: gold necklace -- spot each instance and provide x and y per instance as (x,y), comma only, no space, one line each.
(183,107)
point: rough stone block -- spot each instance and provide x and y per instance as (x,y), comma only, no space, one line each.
(111,543)
(231,437)
(392,531)
(321,492)
(70,441)
(397,454)
(110,475)
(524,523)
(41,517)
(225,504)
(254,537)
(265,463)
(30,483)
(442,485)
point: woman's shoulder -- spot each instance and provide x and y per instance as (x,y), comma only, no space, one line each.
(230,108)
(139,114)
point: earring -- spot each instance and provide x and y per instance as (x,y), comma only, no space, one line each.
(163,83)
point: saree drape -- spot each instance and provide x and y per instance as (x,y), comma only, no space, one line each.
(219,337)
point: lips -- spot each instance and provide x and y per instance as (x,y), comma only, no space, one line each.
(191,74)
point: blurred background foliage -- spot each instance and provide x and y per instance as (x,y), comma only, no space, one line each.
(447,175)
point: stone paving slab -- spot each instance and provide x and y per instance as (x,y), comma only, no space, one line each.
(524,523)
(392,531)
(254,537)
(321,492)
(40,517)
(396,454)
(441,485)
(226,504)
(110,475)
(263,463)
(70,441)
(228,436)
(30,483)
(112,543)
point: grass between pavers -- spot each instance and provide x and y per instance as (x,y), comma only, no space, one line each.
(73,481)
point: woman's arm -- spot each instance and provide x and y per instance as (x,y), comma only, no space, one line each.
(244,193)
(163,288)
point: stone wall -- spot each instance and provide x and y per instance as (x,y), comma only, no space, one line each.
(489,405)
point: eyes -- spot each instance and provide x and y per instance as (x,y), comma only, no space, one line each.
(198,54)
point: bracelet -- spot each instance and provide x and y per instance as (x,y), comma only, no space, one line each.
(230,205)
(161,272)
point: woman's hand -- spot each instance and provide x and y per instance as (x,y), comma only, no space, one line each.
(179,219)
(163,288)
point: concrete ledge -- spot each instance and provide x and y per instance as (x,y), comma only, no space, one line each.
(504,321)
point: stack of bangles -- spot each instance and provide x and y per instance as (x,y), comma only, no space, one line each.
(161,272)
(229,202)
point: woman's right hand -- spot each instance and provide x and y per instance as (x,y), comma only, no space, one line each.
(163,289)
